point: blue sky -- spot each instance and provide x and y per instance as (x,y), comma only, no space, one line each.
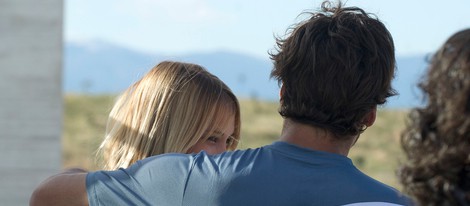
(174,27)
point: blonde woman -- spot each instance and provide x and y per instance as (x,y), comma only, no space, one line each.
(175,108)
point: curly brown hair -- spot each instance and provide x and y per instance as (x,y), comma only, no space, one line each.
(335,67)
(437,138)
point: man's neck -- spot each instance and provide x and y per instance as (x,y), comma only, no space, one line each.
(314,138)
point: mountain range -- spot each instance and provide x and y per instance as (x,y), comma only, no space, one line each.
(103,68)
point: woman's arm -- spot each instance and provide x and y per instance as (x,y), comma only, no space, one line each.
(66,188)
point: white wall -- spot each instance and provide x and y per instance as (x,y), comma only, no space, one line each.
(30,95)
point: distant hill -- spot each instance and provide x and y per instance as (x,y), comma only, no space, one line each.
(410,70)
(98,67)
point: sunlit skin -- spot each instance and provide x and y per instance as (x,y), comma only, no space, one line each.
(218,141)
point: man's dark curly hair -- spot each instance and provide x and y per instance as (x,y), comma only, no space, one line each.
(437,138)
(335,67)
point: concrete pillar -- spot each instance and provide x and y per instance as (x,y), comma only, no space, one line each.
(30,96)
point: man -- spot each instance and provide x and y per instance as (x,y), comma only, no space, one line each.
(334,68)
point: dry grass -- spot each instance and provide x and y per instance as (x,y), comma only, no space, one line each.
(377,152)
(84,126)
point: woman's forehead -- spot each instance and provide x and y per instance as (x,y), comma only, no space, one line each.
(224,110)
(220,121)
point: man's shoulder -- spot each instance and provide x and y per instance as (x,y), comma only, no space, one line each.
(201,159)
(373,204)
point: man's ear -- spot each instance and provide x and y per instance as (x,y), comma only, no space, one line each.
(281,92)
(369,119)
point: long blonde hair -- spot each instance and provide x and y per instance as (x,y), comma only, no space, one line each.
(169,110)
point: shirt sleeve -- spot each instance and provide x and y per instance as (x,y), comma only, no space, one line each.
(158,180)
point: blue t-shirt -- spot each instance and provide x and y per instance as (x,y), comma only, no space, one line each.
(277,174)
